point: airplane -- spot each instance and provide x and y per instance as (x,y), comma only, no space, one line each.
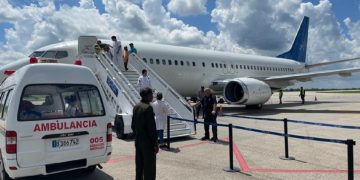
(241,79)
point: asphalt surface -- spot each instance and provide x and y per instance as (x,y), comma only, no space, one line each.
(255,154)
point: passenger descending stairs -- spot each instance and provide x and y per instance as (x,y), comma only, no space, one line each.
(122,91)
(176,103)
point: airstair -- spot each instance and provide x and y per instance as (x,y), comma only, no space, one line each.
(122,91)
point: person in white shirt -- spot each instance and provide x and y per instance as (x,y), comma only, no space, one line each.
(117,54)
(161,111)
(144,80)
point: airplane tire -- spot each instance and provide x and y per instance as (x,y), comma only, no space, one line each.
(3,174)
(119,127)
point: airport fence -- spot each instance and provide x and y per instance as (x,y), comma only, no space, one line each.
(349,142)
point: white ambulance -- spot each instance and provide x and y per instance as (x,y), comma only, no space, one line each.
(52,119)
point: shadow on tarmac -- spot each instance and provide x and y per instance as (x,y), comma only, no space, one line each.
(74,175)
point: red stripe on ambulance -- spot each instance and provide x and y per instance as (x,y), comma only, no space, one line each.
(54,126)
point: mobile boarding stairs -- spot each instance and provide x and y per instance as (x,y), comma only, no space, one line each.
(122,92)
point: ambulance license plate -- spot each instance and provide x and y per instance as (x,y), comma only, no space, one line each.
(62,143)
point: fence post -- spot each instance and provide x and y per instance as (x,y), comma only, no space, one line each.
(231,167)
(286,157)
(195,120)
(350,153)
(168,132)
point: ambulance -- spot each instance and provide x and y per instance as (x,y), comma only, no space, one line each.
(52,119)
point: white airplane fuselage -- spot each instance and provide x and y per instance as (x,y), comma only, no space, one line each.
(210,66)
(191,68)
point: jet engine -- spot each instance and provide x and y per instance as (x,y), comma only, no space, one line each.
(247,91)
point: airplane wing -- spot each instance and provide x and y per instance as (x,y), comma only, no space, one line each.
(307,76)
(330,62)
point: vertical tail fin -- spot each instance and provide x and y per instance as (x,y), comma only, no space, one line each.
(298,48)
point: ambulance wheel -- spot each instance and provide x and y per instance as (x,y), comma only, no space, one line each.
(3,174)
(90,169)
(119,128)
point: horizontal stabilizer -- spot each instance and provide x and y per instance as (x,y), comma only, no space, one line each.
(309,75)
(330,62)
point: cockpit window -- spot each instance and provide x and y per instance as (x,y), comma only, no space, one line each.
(49,54)
(36,54)
(61,54)
(55,54)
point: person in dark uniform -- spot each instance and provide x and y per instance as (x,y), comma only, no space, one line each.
(144,128)
(209,108)
(199,106)
(302,95)
(280,95)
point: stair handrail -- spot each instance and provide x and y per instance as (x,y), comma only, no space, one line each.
(169,88)
(118,78)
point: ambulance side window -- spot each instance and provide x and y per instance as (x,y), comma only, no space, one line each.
(6,106)
(2,102)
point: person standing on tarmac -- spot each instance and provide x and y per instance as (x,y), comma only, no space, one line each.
(146,145)
(302,95)
(199,107)
(280,96)
(209,108)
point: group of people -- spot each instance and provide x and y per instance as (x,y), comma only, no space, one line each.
(148,124)
(122,54)
(119,55)
(149,121)
(302,95)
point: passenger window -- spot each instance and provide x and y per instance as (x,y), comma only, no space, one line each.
(224,65)
(212,65)
(240,66)
(54,101)
(144,59)
(49,54)
(193,63)
(169,62)
(157,61)
(232,66)
(36,54)
(164,62)
(181,63)
(203,64)
(151,61)
(61,54)
(220,65)
(176,62)
(236,66)
(6,106)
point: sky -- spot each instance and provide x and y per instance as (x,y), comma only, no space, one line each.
(261,27)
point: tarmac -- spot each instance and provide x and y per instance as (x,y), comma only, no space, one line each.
(255,154)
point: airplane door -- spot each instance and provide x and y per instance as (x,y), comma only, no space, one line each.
(231,68)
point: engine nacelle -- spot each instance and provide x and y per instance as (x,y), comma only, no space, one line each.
(247,91)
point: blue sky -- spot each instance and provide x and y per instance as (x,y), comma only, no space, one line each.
(263,27)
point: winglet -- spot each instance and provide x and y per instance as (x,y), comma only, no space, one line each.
(298,48)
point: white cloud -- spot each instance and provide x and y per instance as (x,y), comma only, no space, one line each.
(187,7)
(7,12)
(254,27)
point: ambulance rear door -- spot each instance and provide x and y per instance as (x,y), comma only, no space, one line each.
(60,123)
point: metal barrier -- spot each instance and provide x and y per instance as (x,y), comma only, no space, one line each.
(349,142)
